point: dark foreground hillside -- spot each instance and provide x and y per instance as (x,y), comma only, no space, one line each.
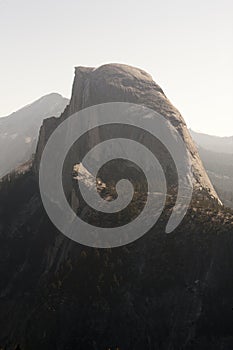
(161,292)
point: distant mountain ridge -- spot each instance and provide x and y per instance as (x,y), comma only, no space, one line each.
(217,156)
(213,143)
(19,131)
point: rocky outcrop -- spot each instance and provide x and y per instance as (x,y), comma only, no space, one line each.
(122,83)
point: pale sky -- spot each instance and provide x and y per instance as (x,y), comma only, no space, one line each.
(186,45)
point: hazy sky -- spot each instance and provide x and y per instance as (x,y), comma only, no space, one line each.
(186,45)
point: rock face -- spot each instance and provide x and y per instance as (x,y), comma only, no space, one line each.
(121,83)
(19,131)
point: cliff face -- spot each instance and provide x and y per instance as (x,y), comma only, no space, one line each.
(121,83)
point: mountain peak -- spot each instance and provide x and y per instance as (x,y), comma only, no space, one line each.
(122,83)
(19,131)
(117,69)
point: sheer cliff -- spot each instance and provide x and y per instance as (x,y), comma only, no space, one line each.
(122,83)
